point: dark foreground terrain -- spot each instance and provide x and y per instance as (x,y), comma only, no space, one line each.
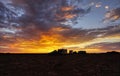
(59,65)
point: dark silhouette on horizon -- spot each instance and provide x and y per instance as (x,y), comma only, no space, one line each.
(113,52)
(64,52)
(59,64)
(72,52)
(59,52)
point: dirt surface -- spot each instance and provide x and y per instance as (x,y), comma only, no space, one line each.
(59,65)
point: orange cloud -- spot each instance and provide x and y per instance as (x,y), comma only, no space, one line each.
(67,8)
(48,41)
(64,37)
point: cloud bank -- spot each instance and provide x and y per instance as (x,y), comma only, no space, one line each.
(38,25)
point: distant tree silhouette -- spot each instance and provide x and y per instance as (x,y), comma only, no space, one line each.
(81,52)
(53,52)
(59,52)
(74,52)
(113,52)
(71,52)
(62,51)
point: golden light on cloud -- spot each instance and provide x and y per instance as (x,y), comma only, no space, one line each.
(112,15)
(66,13)
(94,50)
(69,16)
(48,41)
(110,39)
(51,41)
(67,8)
(116,17)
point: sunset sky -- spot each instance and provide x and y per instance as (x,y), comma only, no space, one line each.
(41,26)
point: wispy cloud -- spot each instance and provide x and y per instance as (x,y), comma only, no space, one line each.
(105,46)
(112,15)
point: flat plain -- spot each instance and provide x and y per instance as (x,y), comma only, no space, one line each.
(59,65)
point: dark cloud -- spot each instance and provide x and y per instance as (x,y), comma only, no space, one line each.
(82,35)
(105,46)
(104,32)
(33,17)
(12,14)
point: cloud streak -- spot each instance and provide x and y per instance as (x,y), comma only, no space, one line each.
(105,46)
(112,15)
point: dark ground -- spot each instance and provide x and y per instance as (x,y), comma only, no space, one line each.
(59,65)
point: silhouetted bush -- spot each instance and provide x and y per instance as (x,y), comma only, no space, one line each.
(53,52)
(71,52)
(81,52)
(62,51)
(74,52)
(59,52)
(113,52)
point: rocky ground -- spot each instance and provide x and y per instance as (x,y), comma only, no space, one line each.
(60,65)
